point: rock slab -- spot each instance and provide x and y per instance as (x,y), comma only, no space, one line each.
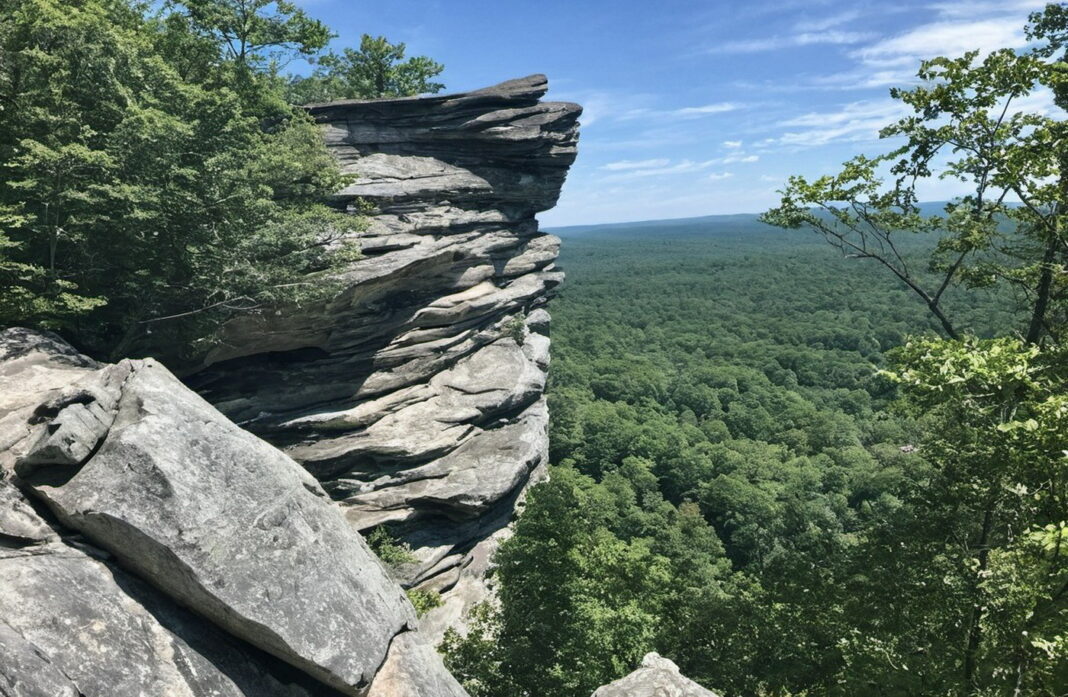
(148,546)
(656,677)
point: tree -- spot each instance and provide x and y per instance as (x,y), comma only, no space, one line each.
(969,571)
(973,568)
(965,126)
(376,70)
(250,31)
(143,205)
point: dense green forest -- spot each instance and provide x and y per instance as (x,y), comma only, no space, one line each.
(797,473)
(732,485)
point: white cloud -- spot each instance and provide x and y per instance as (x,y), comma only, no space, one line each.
(825,23)
(636,164)
(718,108)
(733,144)
(856,121)
(680,167)
(957,26)
(775,43)
(688,112)
(1041,101)
(636,169)
(866,78)
(970,9)
(718,176)
(943,39)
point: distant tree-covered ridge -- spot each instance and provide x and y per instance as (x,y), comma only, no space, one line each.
(154,179)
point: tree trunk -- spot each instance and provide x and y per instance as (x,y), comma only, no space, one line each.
(1045,284)
(133,331)
(975,630)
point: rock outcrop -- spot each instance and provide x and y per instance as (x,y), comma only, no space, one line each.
(415,395)
(656,677)
(150,547)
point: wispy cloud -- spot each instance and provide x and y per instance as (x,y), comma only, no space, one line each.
(735,157)
(815,24)
(623,165)
(689,112)
(856,121)
(943,38)
(970,9)
(719,176)
(720,108)
(777,43)
(953,28)
(637,169)
(681,167)
(732,144)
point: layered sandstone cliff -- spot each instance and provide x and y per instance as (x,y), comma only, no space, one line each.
(415,396)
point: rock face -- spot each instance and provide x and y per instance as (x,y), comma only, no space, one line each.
(150,547)
(657,677)
(415,395)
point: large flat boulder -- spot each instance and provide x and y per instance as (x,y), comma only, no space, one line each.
(199,514)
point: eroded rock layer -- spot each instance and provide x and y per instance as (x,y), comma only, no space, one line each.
(151,548)
(415,396)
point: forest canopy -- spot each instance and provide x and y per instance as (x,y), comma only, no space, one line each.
(796,474)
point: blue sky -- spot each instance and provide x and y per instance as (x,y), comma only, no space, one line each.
(694,108)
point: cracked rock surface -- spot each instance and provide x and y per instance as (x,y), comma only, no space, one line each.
(414,396)
(149,546)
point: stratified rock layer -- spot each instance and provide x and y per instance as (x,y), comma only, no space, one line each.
(150,547)
(415,395)
(656,677)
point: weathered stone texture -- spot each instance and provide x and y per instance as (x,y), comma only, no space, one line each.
(656,677)
(415,394)
(148,546)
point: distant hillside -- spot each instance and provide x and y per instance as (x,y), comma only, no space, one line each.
(724,225)
(704,224)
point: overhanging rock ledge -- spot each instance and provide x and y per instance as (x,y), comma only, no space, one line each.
(415,396)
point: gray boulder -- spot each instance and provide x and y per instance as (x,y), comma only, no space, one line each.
(656,677)
(71,624)
(205,516)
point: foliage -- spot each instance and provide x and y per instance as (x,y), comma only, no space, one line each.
(376,70)
(253,31)
(387,548)
(966,126)
(143,200)
(889,488)
(753,424)
(516,327)
(994,593)
(424,601)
